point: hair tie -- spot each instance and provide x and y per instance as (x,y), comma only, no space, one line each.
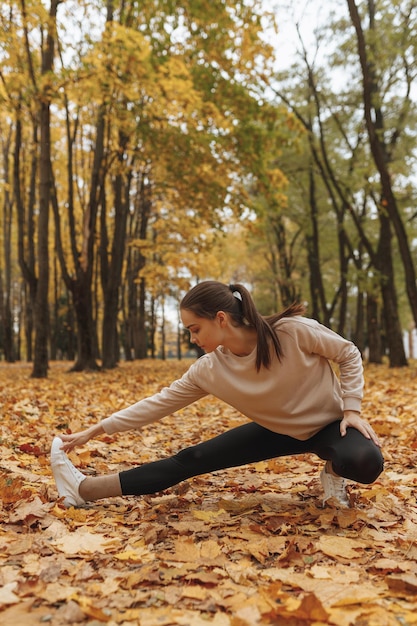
(235,292)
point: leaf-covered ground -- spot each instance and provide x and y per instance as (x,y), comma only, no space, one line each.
(241,547)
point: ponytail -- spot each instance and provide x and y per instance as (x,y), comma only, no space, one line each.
(264,326)
(207,298)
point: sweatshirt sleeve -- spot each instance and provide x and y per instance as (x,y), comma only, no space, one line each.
(179,394)
(347,356)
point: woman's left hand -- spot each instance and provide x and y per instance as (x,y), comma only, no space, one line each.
(353,419)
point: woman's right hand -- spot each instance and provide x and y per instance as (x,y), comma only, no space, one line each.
(69,442)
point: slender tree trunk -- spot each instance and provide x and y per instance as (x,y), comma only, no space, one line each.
(374,328)
(40,364)
(163,332)
(179,338)
(393,331)
(141,332)
(137,283)
(55,326)
(129,308)
(6,307)
(318,298)
(112,271)
(1,313)
(359,332)
(82,298)
(70,335)
(152,329)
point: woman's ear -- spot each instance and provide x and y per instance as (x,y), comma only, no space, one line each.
(222,317)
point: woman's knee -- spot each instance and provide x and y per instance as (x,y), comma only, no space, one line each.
(364,466)
(372,465)
(189,455)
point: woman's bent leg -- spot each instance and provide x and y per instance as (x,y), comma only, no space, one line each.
(248,443)
(352,456)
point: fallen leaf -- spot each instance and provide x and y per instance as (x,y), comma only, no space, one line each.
(7,594)
(344,547)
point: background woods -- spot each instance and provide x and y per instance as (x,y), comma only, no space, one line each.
(148,145)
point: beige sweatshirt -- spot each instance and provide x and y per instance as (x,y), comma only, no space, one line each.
(297,396)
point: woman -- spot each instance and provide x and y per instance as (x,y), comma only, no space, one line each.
(275,370)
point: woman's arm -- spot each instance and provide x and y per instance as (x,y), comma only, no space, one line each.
(170,399)
(345,353)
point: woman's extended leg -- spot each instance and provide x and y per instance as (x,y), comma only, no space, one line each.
(245,444)
(248,443)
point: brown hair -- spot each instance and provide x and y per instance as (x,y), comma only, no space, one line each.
(208,297)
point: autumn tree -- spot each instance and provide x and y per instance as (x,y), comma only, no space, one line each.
(167,105)
(380,66)
(340,173)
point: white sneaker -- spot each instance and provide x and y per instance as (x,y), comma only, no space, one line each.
(67,477)
(334,487)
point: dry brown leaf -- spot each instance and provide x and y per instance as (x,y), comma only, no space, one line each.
(403,582)
(344,547)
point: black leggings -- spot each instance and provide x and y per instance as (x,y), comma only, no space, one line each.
(352,456)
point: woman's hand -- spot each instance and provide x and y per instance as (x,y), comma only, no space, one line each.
(69,442)
(353,419)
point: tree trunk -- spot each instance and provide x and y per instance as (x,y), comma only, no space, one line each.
(6,311)
(318,297)
(112,271)
(141,332)
(374,329)
(136,262)
(163,332)
(179,338)
(393,331)
(83,306)
(359,332)
(40,363)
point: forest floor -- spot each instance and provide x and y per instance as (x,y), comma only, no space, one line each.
(244,547)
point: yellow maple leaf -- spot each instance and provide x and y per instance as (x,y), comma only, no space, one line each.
(207,516)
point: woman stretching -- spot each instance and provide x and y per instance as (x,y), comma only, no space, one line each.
(276,371)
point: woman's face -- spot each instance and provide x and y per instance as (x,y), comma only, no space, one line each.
(206,334)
